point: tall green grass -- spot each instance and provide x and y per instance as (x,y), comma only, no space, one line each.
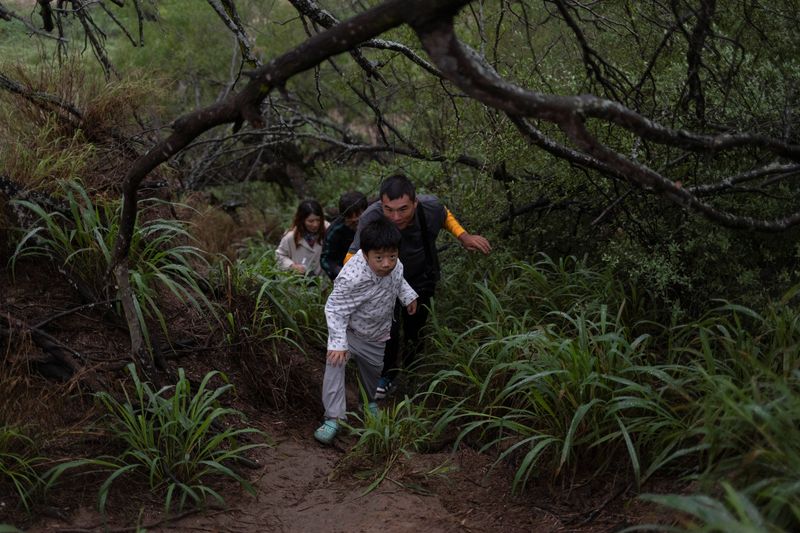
(282,300)
(557,397)
(176,438)
(81,241)
(549,369)
(19,464)
(398,429)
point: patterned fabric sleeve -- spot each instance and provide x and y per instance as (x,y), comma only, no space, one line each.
(349,292)
(339,307)
(407,294)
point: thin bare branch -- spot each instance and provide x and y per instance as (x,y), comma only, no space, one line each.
(230,17)
(478,79)
(9,15)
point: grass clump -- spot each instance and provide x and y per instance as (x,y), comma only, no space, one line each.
(176,438)
(272,320)
(81,240)
(548,369)
(19,464)
(397,429)
(74,126)
(281,299)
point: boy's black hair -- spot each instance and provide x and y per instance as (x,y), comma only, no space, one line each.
(380,234)
(396,186)
(352,202)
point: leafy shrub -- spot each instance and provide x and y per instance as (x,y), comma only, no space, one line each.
(554,378)
(81,241)
(735,512)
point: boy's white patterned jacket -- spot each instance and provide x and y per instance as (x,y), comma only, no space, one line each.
(363,302)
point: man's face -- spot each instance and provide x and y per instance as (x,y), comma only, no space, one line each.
(400,210)
(351,220)
(382,261)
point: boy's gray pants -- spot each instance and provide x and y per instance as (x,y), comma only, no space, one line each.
(369,358)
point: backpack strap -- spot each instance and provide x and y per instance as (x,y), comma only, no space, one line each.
(431,259)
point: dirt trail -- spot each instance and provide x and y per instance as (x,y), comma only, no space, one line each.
(295,493)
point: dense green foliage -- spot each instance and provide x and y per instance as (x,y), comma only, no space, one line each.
(609,327)
(81,241)
(176,438)
(549,366)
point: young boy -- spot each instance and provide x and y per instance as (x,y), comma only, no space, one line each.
(359,314)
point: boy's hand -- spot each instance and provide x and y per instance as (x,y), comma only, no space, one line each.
(337,357)
(412,307)
(300,269)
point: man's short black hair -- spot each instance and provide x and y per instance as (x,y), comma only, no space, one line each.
(380,234)
(396,186)
(352,202)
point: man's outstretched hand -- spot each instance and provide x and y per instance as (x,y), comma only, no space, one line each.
(475,243)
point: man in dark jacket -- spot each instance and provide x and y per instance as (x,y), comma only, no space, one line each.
(419,219)
(339,235)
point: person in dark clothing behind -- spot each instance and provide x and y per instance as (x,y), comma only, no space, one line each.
(340,235)
(419,219)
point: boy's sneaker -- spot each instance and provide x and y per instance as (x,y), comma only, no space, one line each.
(383,389)
(327,431)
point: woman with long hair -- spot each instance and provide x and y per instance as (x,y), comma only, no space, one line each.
(301,247)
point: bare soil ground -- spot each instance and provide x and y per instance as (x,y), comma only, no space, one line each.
(300,485)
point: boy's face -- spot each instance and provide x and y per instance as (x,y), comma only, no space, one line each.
(382,261)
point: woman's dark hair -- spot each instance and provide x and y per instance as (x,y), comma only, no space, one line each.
(306,208)
(396,186)
(352,202)
(380,234)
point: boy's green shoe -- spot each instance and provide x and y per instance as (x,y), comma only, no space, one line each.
(327,431)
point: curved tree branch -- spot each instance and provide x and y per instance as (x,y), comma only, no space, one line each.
(324,18)
(41,99)
(464,67)
(245,105)
(468,71)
